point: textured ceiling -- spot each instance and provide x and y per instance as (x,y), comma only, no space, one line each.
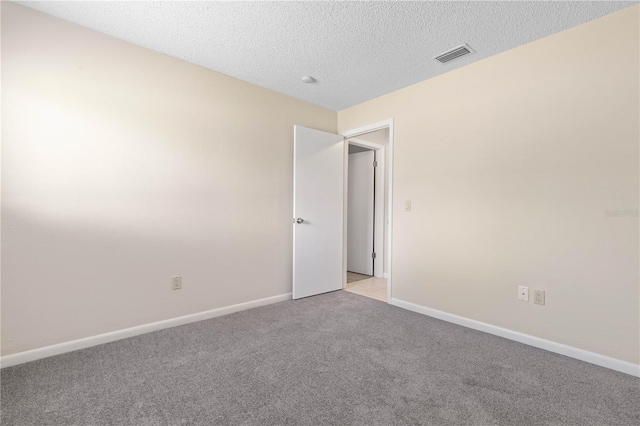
(356,50)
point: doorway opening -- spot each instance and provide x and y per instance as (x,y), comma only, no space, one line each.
(320,191)
(367,218)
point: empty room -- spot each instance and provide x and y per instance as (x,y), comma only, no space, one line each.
(320,213)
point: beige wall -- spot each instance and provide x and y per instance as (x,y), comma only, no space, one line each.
(122,167)
(510,164)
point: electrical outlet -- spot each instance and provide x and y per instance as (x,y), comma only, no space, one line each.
(538,297)
(407,206)
(176,283)
(523,293)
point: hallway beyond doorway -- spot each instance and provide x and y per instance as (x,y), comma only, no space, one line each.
(354,276)
(375,288)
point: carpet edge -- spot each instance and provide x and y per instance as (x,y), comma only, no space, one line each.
(112,336)
(548,345)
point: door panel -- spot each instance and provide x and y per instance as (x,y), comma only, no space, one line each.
(318,191)
(360,213)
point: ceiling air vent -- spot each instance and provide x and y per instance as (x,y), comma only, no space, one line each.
(454,54)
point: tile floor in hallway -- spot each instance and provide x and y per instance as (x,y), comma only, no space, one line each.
(354,276)
(375,288)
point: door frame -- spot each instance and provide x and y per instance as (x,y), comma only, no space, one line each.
(388,153)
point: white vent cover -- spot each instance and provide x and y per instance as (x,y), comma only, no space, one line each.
(454,53)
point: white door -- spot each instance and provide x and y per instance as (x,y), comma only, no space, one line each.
(360,207)
(318,211)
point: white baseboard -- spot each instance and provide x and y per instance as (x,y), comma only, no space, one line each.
(60,348)
(559,348)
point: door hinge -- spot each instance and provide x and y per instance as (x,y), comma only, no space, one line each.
(375,163)
(373,255)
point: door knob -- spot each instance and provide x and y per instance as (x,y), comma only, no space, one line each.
(299,220)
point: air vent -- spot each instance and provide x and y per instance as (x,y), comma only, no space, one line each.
(454,54)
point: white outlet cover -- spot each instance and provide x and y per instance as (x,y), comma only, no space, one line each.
(523,293)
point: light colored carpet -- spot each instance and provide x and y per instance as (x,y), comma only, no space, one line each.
(334,359)
(354,276)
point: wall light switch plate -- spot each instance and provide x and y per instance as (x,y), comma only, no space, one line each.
(538,297)
(176,283)
(523,293)
(407,206)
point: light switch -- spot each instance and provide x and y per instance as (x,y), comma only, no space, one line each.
(407,206)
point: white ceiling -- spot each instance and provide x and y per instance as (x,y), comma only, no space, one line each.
(356,50)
